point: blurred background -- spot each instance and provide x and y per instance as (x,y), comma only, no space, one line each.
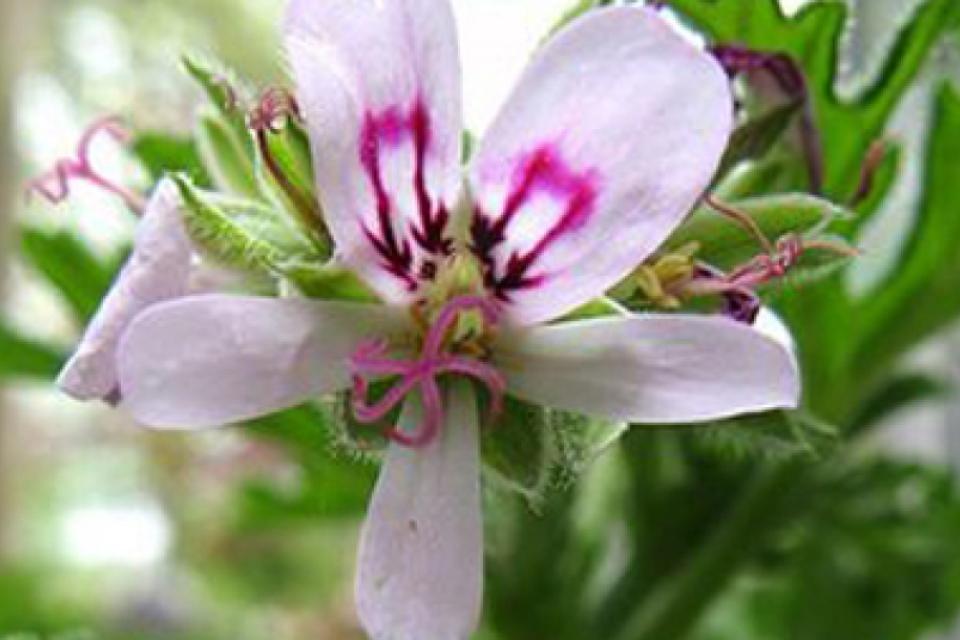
(111,531)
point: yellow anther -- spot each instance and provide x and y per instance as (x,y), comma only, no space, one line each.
(658,281)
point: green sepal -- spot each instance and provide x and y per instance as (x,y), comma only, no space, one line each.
(328,282)
(817,264)
(516,450)
(223,89)
(361,441)
(725,244)
(223,138)
(596,308)
(533,449)
(242,234)
(289,149)
(226,156)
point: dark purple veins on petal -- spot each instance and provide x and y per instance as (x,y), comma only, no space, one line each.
(393,127)
(542,171)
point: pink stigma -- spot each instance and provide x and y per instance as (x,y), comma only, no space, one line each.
(54,185)
(369,360)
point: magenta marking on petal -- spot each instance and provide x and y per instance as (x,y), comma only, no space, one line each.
(396,254)
(393,127)
(542,171)
(368,360)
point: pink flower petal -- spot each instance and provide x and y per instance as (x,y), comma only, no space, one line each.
(205,361)
(651,369)
(613,133)
(379,84)
(158,269)
(420,574)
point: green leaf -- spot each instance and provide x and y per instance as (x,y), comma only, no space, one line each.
(755,138)
(241,233)
(898,392)
(25,358)
(920,296)
(775,435)
(876,559)
(226,156)
(67,264)
(812,38)
(161,153)
(725,244)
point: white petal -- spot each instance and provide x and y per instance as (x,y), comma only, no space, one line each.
(613,133)
(158,269)
(651,369)
(420,574)
(205,361)
(378,79)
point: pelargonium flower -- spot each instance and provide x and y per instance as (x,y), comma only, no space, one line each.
(610,138)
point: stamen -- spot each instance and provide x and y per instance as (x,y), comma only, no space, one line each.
(54,185)
(368,360)
(738,287)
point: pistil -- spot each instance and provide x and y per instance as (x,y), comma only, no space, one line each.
(371,360)
(54,185)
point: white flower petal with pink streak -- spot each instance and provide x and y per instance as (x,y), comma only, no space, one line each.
(420,574)
(158,269)
(612,134)
(651,369)
(379,85)
(206,361)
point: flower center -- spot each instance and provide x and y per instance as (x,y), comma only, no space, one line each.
(443,352)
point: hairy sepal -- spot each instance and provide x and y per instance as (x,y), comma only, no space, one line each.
(226,156)
(533,450)
(244,234)
(725,244)
(289,148)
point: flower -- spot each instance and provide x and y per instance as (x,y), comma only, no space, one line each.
(610,138)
